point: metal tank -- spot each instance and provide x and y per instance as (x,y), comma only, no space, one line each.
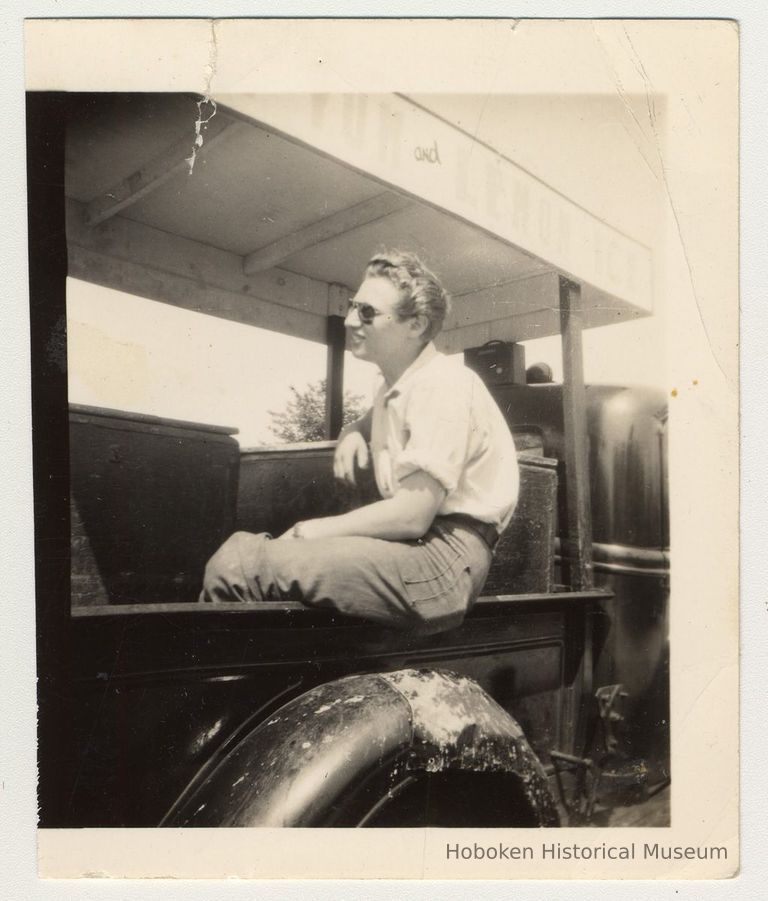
(627,433)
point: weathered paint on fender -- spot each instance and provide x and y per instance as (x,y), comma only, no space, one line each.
(297,766)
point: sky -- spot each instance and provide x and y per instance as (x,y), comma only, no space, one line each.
(218,372)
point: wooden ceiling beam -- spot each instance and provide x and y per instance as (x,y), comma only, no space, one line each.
(145,256)
(324,229)
(164,166)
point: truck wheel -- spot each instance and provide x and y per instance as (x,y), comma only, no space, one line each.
(460,799)
(409,748)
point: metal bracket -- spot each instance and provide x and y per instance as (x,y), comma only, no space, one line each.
(610,771)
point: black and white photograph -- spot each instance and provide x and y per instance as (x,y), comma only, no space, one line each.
(352,416)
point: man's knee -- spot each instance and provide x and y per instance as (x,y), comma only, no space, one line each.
(225,578)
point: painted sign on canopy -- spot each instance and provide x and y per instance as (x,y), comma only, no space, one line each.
(411,149)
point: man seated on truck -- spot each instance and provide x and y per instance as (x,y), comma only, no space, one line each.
(444,462)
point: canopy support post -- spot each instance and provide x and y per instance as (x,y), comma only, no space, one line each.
(578,549)
(334,377)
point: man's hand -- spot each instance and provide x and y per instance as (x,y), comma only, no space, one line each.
(352,449)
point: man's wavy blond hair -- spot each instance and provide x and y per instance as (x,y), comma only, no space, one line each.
(421,294)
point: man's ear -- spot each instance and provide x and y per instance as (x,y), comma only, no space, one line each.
(419,325)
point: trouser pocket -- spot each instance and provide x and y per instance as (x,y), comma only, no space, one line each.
(434,567)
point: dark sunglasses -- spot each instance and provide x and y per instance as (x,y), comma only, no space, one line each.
(365,311)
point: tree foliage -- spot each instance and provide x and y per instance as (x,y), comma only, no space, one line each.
(304,416)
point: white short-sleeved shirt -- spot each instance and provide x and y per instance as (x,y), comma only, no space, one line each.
(440,418)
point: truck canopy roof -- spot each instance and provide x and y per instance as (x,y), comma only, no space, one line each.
(264,209)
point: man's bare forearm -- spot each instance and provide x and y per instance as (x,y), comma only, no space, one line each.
(383,519)
(405,516)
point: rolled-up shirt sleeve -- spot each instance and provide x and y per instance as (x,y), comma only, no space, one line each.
(437,423)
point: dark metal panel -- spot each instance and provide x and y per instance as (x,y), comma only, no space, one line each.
(162,691)
(151,500)
(627,454)
(287,613)
(280,486)
(523,557)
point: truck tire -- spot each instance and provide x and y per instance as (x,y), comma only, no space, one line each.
(408,748)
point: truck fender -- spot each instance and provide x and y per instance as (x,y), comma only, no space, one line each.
(301,766)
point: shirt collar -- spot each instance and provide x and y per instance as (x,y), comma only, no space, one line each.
(428,353)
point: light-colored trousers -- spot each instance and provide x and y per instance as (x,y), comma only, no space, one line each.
(426,585)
